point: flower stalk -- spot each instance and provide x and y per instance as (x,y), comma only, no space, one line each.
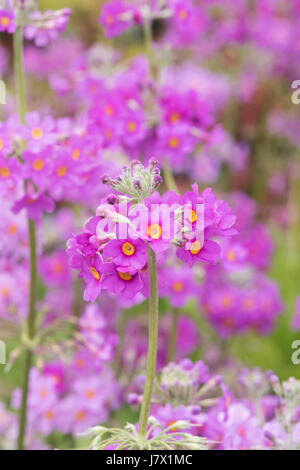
(152,344)
(30,321)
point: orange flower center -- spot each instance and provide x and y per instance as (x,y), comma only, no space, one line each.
(90,393)
(170,424)
(76,154)
(4,172)
(178,286)
(125,276)
(183,14)
(174,142)
(174,117)
(49,414)
(131,126)
(1,144)
(80,415)
(109,110)
(227,301)
(12,230)
(61,170)
(38,164)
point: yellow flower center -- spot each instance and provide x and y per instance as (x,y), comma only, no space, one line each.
(4,172)
(1,144)
(178,286)
(131,126)
(61,170)
(5,21)
(38,164)
(95,273)
(76,154)
(154,231)
(231,256)
(128,249)
(125,276)
(196,247)
(37,133)
(174,142)
(192,216)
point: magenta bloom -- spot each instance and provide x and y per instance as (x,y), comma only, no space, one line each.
(55,269)
(177,283)
(160,226)
(209,252)
(35,204)
(38,167)
(92,277)
(7,21)
(117,16)
(125,281)
(126,253)
(39,132)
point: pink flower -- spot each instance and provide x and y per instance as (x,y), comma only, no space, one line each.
(125,281)
(35,204)
(39,132)
(126,253)
(7,21)
(117,16)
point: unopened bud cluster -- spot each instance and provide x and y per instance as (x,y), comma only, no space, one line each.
(136,181)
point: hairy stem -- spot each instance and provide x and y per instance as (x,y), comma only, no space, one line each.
(152,343)
(30,321)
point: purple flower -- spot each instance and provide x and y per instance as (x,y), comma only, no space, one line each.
(125,281)
(35,204)
(117,16)
(7,21)
(126,253)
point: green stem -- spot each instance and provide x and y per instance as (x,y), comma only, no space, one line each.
(173,334)
(152,343)
(148,40)
(30,321)
(169,177)
(19,74)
